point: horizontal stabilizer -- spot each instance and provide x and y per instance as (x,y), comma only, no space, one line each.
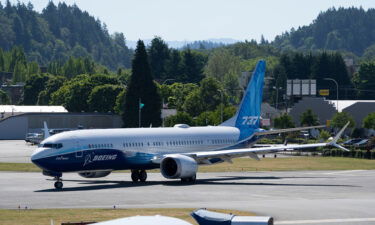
(278,131)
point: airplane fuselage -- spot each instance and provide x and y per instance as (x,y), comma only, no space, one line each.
(127,148)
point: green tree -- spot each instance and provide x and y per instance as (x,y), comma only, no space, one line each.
(19,73)
(179,118)
(142,89)
(33,86)
(174,65)
(221,63)
(75,93)
(158,55)
(206,98)
(206,118)
(4,98)
(214,117)
(210,92)
(103,98)
(178,93)
(52,85)
(2,61)
(308,118)
(192,66)
(33,68)
(324,135)
(284,121)
(120,102)
(193,103)
(369,121)
(340,119)
(364,80)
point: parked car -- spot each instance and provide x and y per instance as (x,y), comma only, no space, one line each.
(34,138)
(351,141)
(361,143)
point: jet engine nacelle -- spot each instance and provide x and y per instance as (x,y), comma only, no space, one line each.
(178,166)
(95,174)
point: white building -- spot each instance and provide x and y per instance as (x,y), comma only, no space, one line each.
(13,110)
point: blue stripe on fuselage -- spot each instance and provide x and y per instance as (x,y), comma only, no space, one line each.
(96,159)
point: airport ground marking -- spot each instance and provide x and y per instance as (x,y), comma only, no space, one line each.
(320,221)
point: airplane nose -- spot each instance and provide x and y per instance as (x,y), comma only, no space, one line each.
(37,154)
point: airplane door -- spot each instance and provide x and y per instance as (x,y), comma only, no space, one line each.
(79,152)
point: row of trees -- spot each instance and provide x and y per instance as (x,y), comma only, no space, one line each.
(182,66)
(339,120)
(14,62)
(348,29)
(59,32)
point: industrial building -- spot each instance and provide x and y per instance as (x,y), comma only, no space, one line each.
(16,127)
(326,109)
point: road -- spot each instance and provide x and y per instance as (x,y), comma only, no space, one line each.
(323,197)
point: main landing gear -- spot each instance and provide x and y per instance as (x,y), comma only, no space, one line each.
(58,183)
(139,175)
(189,179)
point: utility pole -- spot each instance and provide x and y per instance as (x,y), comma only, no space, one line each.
(337,92)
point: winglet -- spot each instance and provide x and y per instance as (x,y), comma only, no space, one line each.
(45,130)
(337,137)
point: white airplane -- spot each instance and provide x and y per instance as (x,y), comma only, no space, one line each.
(177,151)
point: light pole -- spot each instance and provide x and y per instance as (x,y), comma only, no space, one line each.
(162,101)
(337,92)
(277,95)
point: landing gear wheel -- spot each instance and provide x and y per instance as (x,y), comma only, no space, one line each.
(189,179)
(143,175)
(193,179)
(135,175)
(58,185)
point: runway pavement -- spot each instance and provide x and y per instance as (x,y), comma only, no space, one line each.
(316,197)
(15,151)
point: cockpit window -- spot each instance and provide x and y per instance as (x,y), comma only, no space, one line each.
(50,145)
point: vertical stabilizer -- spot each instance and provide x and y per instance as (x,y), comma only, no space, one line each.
(247,118)
(45,130)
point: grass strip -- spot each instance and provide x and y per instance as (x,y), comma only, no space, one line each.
(44,216)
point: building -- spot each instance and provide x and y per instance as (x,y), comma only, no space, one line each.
(13,110)
(16,127)
(326,109)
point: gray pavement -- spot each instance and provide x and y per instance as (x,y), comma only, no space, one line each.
(317,197)
(15,151)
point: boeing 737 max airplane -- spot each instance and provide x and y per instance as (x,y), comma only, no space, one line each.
(177,151)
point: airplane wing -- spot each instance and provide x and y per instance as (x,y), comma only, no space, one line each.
(267,132)
(227,155)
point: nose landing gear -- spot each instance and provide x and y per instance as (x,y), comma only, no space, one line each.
(58,183)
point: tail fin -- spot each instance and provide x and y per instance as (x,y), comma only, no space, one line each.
(247,118)
(45,130)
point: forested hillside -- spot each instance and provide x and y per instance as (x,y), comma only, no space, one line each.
(60,32)
(349,29)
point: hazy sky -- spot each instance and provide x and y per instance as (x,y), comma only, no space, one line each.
(204,19)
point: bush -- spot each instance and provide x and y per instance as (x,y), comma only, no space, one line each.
(358,154)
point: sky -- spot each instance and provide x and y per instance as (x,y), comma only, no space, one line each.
(189,20)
